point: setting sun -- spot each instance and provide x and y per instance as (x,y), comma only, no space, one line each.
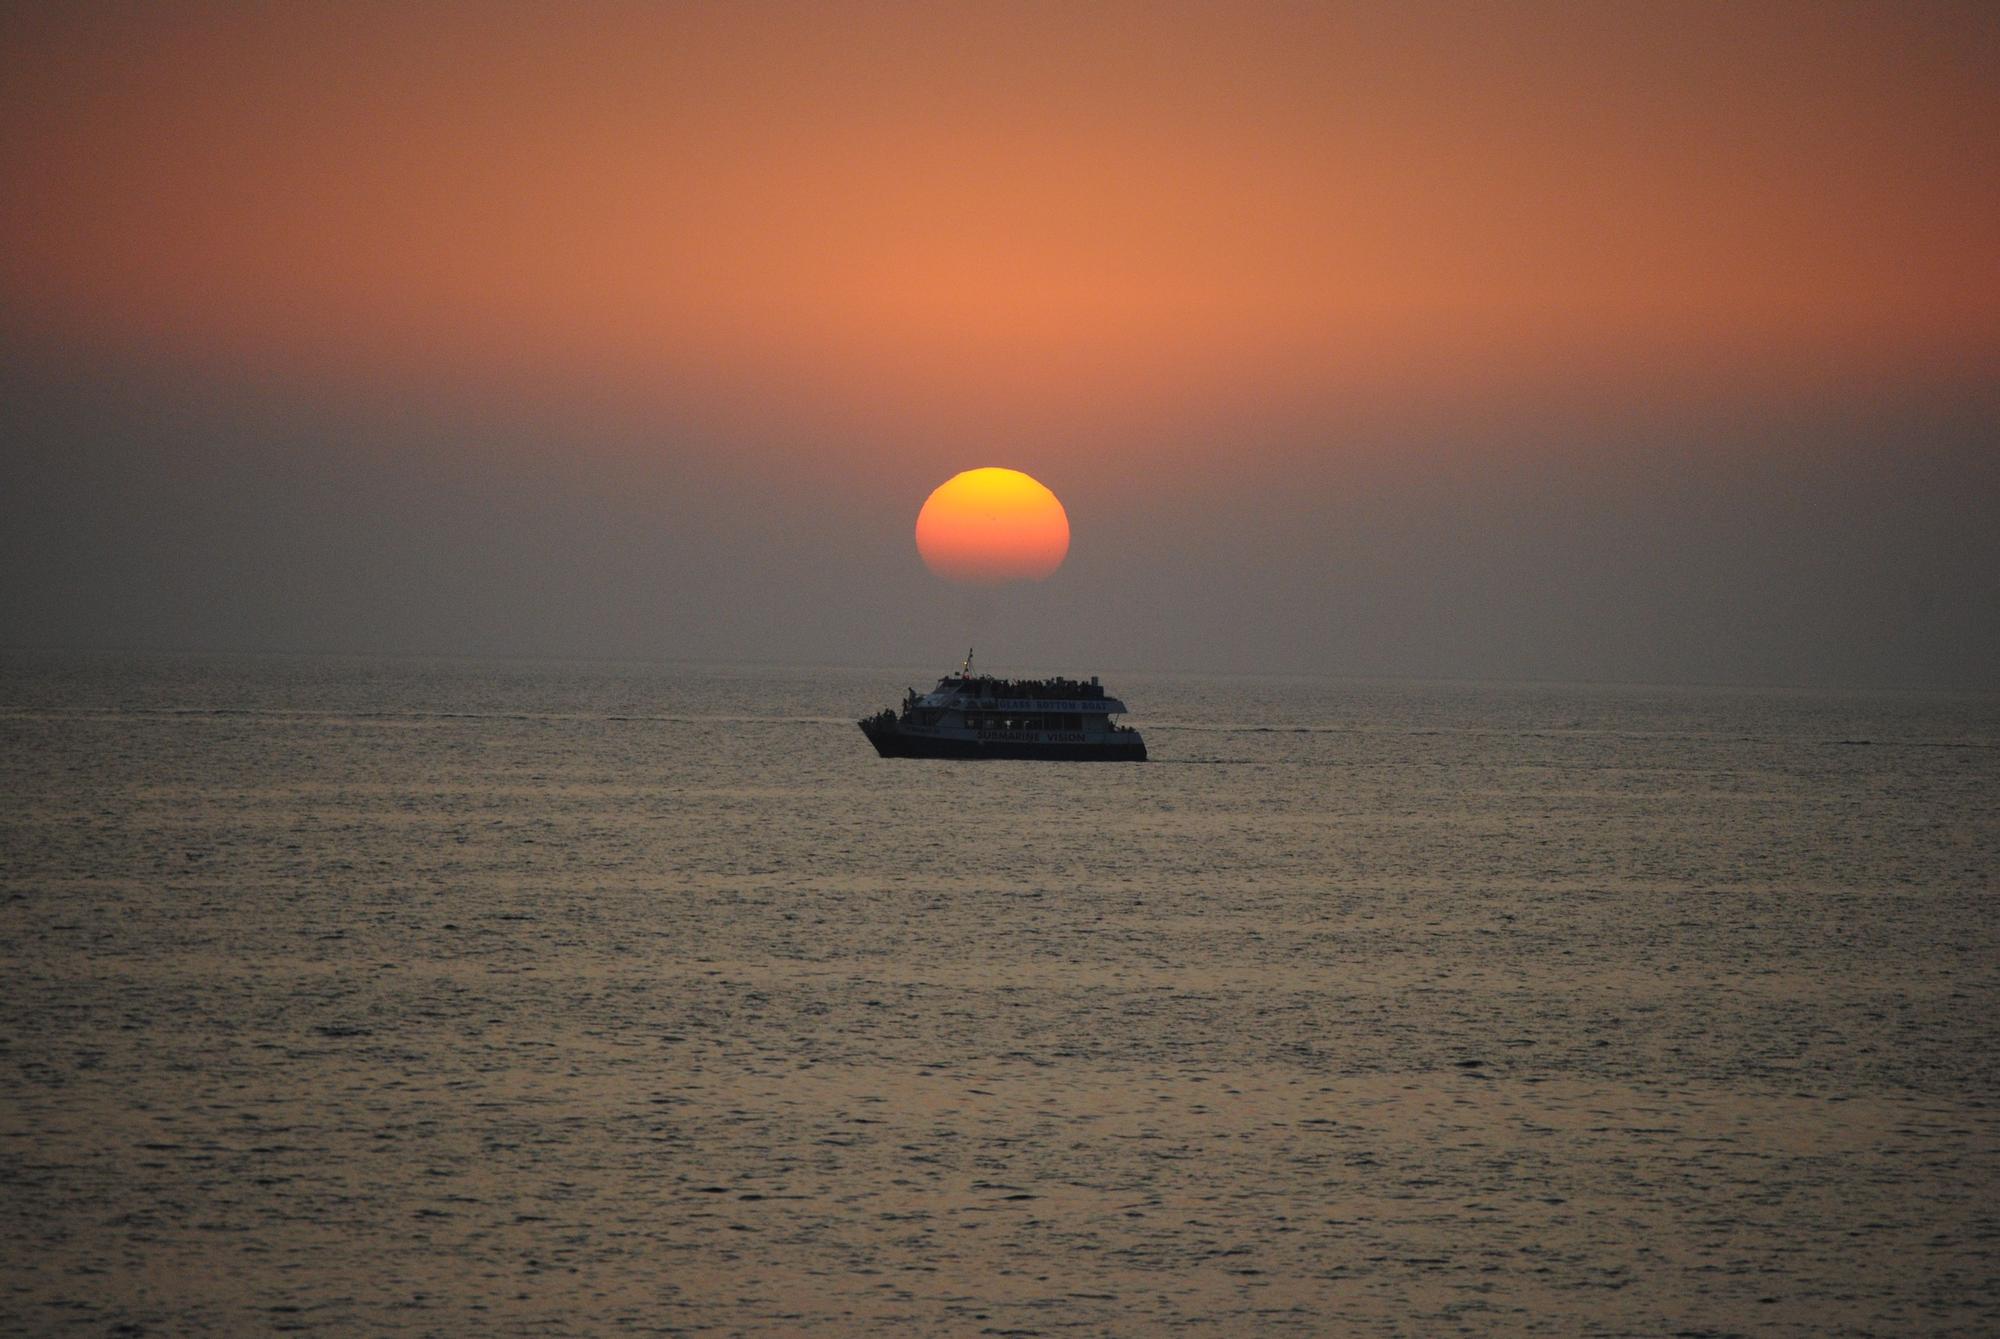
(989,526)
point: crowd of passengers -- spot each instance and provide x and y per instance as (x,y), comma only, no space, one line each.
(1052,689)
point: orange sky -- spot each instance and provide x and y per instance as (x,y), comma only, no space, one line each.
(957,219)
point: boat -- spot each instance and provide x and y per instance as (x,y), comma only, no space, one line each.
(978,716)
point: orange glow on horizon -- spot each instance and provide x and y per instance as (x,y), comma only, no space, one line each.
(989,526)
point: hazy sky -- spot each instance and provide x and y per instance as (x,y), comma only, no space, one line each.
(1557,341)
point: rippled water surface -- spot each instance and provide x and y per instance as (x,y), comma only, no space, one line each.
(348,997)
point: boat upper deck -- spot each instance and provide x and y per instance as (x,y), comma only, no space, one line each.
(985,685)
(1057,694)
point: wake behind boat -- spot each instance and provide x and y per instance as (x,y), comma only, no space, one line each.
(977,716)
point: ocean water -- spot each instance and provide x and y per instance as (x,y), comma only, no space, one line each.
(399,998)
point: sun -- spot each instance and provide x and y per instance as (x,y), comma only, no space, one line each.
(990,526)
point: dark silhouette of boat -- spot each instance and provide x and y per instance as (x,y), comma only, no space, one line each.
(977,716)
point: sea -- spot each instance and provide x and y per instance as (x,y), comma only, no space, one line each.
(399,997)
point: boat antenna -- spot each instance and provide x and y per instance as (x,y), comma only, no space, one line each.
(965,670)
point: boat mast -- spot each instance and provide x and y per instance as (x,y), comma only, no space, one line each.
(965,670)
